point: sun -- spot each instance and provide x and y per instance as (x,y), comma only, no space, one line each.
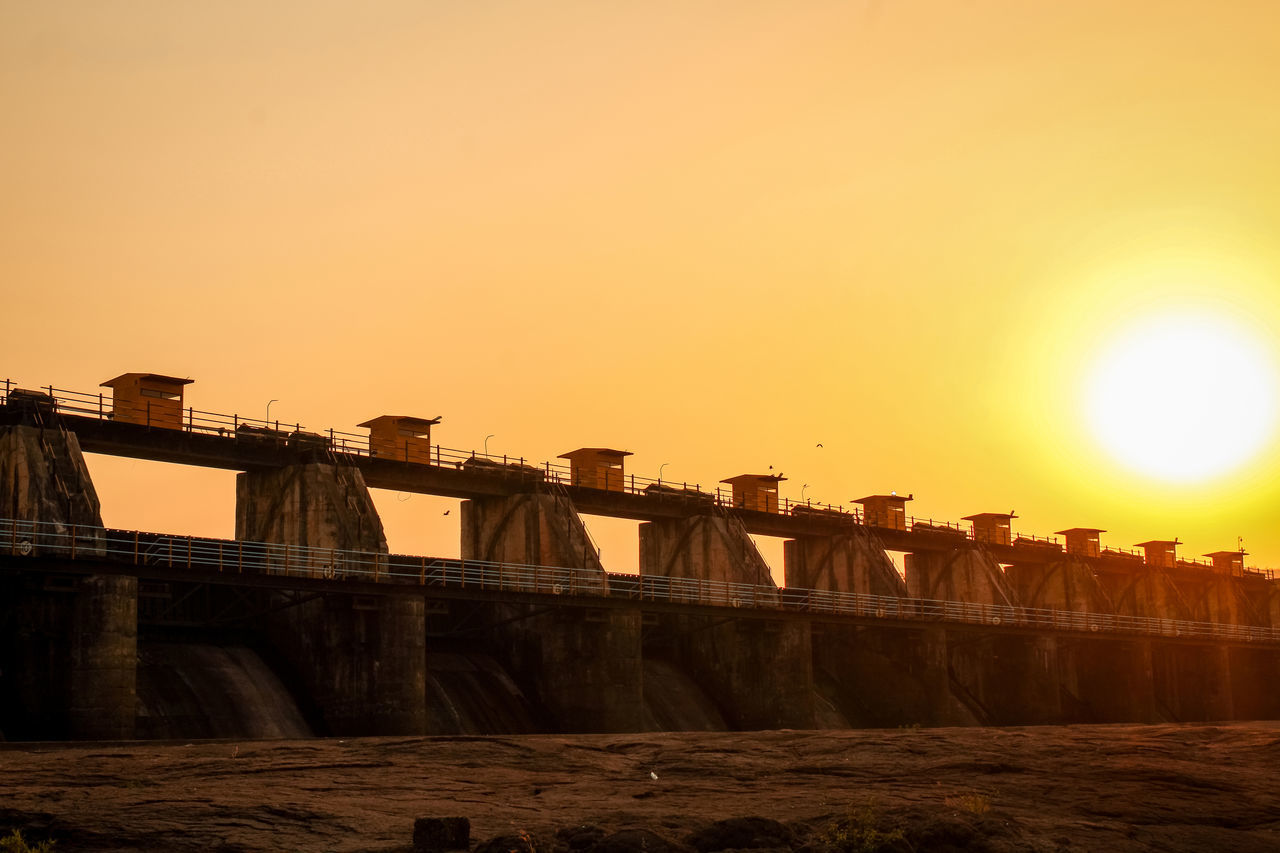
(1183,396)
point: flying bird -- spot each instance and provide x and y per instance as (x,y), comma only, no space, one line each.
(819,444)
(447,511)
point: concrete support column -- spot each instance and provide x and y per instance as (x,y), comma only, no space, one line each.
(702,547)
(1109,680)
(1220,694)
(528,529)
(582,665)
(362,660)
(104,658)
(853,562)
(1006,679)
(759,671)
(970,575)
(1060,585)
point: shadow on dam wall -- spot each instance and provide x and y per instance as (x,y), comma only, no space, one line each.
(191,690)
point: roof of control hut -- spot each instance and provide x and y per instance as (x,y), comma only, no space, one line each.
(402,421)
(595,453)
(149,378)
(754,479)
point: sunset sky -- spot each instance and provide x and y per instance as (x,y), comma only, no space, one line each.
(712,234)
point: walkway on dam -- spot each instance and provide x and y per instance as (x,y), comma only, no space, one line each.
(232,442)
(28,545)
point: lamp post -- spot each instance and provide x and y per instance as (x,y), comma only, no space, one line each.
(268,420)
(486,442)
(660,467)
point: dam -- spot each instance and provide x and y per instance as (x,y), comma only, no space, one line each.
(306,623)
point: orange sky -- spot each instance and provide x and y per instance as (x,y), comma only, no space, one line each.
(713,234)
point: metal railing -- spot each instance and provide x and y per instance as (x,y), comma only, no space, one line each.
(36,539)
(256,430)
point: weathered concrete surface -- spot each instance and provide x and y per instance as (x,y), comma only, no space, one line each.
(582,665)
(885,678)
(104,658)
(1146,591)
(968,574)
(314,504)
(362,660)
(43,478)
(1219,598)
(702,547)
(1005,679)
(1066,584)
(853,562)
(1192,683)
(1107,680)
(758,672)
(531,529)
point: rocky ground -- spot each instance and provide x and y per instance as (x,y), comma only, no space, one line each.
(1106,788)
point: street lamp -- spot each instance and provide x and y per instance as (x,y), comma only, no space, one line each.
(268,420)
(486,442)
(660,467)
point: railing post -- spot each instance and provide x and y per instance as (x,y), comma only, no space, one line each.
(135,547)
(188,552)
(422,574)
(73,541)
(170,544)
(219,558)
(240,557)
(286,558)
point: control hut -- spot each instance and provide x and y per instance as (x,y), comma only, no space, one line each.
(597,468)
(1083,540)
(147,398)
(1228,562)
(1160,552)
(757,492)
(991,528)
(885,511)
(400,437)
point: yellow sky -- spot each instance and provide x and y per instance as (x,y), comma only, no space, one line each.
(714,234)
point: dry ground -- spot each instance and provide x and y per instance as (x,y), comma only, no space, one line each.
(1103,788)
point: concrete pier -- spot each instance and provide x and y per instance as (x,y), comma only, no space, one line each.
(1107,680)
(582,665)
(361,659)
(533,529)
(1066,584)
(702,547)
(884,678)
(1005,679)
(44,478)
(104,659)
(89,638)
(967,574)
(759,672)
(1148,591)
(853,562)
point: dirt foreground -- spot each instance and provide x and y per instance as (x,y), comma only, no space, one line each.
(1114,788)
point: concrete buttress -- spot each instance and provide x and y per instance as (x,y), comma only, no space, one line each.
(713,548)
(758,671)
(90,636)
(1065,584)
(853,562)
(968,574)
(581,664)
(362,659)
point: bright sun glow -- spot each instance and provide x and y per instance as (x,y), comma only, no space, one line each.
(1183,397)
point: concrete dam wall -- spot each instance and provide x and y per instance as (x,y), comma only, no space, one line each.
(100,656)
